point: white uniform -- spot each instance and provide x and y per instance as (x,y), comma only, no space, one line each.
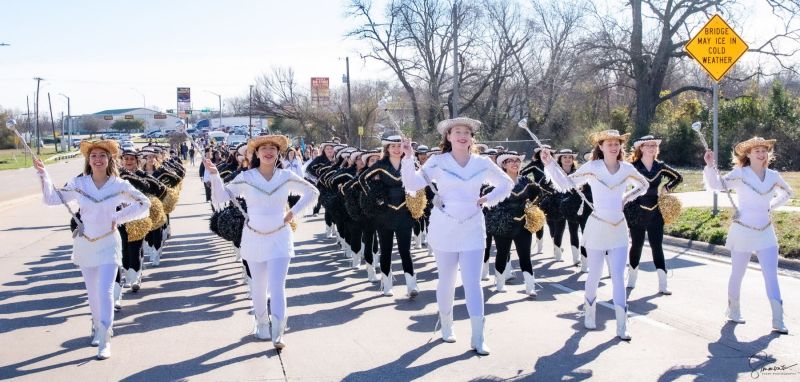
(266,203)
(753,231)
(98,208)
(606,228)
(460,227)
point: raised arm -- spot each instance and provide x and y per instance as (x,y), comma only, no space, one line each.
(138,208)
(49,194)
(675,177)
(413,180)
(783,192)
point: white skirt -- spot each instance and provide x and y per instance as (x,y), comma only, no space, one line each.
(107,250)
(448,234)
(260,248)
(601,236)
(743,239)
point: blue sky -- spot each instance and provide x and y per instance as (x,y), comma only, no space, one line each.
(106,54)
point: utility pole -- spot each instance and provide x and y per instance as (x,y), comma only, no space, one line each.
(349,103)
(454,111)
(36,115)
(220,107)
(250,113)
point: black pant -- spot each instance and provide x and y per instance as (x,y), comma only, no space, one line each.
(317,207)
(207,186)
(522,242)
(655,235)
(540,234)
(558,227)
(582,219)
(132,255)
(386,240)
(368,238)
(154,238)
(488,250)
(355,235)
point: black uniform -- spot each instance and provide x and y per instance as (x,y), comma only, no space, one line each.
(506,222)
(392,218)
(643,215)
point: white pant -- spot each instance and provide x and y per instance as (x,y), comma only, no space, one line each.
(768,259)
(99,282)
(470,263)
(269,276)
(617,259)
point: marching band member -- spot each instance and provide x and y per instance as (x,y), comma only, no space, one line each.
(536,169)
(105,201)
(353,194)
(385,188)
(759,191)
(507,221)
(645,216)
(567,217)
(457,233)
(606,232)
(314,170)
(267,239)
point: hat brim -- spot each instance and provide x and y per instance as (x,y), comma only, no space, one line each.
(604,136)
(503,157)
(444,126)
(556,156)
(743,147)
(639,143)
(111,147)
(279,141)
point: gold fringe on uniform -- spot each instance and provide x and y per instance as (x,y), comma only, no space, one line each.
(670,207)
(171,199)
(138,229)
(534,218)
(157,216)
(416,203)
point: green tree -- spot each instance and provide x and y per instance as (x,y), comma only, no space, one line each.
(128,126)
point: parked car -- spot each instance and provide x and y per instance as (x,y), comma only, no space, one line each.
(153,134)
(127,145)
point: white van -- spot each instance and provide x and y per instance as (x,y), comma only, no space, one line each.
(219,137)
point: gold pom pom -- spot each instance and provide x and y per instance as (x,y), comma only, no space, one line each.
(534,218)
(416,203)
(138,229)
(670,207)
(171,199)
(293,224)
(157,216)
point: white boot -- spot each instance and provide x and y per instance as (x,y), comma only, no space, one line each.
(136,283)
(418,241)
(485,271)
(777,317)
(411,285)
(155,256)
(447,327)
(278,327)
(633,274)
(262,327)
(478,344)
(530,284)
(386,284)
(328,232)
(589,310)
(734,312)
(238,254)
(371,276)
(584,264)
(95,333)
(576,256)
(424,236)
(357,258)
(500,281)
(539,245)
(662,282)
(117,296)
(104,346)
(622,321)
(557,253)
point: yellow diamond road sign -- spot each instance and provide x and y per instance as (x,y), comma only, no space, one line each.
(716,47)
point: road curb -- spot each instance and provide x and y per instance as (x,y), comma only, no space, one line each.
(714,250)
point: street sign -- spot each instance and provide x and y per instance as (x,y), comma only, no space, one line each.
(159,116)
(108,117)
(361,131)
(716,47)
(171,111)
(128,116)
(205,110)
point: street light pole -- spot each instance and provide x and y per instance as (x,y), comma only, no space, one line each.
(69,122)
(36,115)
(220,106)
(250,113)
